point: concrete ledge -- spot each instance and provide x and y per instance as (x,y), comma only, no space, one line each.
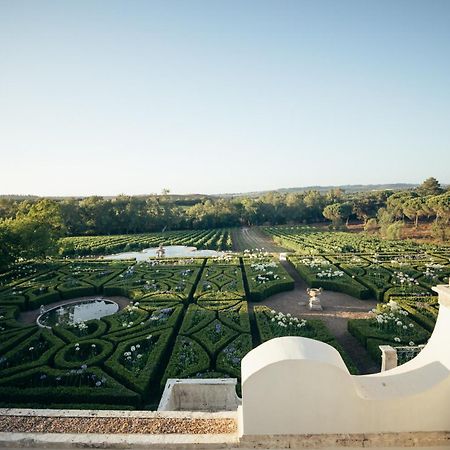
(385,441)
(378,441)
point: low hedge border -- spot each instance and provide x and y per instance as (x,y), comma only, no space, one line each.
(229,359)
(364,329)
(347,285)
(114,393)
(19,352)
(102,350)
(196,318)
(182,363)
(236,317)
(96,328)
(141,382)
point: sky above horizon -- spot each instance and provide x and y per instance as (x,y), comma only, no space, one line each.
(109,97)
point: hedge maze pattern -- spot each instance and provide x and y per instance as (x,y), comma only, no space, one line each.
(190,317)
(185,318)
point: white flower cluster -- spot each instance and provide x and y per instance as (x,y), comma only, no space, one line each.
(287,320)
(330,273)
(80,325)
(314,262)
(133,353)
(405,279)
(226,257)
(256,253)
(262,267)
(391,317)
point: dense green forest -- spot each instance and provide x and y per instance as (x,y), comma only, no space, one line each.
(32,227)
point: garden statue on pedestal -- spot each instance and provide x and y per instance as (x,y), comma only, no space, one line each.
(161,252)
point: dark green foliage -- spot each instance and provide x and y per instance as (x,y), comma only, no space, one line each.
(214,336)
(364,329)
(229,359)
(196,318)
(343,283)
(159,318)
(94,328)
(425,314)
(34,351)
(188,358)
(220,283)
(87,352)
(268,329)
(45,385)
(137,362)
(312,329)
(265,277)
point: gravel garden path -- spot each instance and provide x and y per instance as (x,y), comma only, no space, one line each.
(250,238)
(338,308)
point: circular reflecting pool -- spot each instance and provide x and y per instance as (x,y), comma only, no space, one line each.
(76,312)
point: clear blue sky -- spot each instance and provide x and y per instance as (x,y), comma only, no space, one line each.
(109,97)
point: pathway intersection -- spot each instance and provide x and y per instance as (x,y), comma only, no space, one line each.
(338,308)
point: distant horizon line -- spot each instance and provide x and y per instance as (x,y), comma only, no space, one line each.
(369,186)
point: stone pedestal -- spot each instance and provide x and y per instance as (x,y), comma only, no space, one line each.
(314,304)
(388,357)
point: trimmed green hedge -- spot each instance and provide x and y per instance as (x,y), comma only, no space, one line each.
(345,284)
(229,359)
(364,329)
(314,329)
(34,351)
(265,277)
(89,352)
(140,373)
(196,318)
(188,358)
(41,385)
(95,328)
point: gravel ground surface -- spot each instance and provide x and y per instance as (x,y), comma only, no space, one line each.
(114,425)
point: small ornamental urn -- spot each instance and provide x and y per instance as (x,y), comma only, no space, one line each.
(314,302)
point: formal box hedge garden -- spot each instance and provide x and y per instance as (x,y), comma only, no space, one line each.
(189,317)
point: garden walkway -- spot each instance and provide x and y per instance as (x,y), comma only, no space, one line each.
(338,308)
(250,238)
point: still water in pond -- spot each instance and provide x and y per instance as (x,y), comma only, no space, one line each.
(77,312)
(171,251)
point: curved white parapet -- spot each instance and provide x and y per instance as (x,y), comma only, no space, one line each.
(294,385)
